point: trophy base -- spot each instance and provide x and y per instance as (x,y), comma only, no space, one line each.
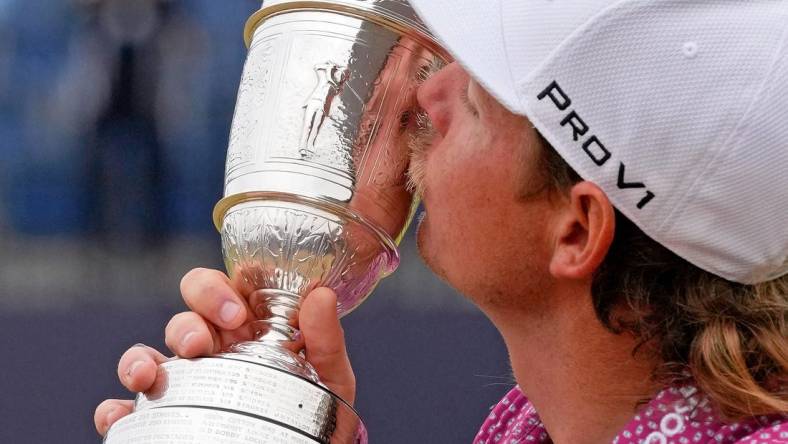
(189,425)
(235,398)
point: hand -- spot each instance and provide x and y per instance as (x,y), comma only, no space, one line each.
(219,313)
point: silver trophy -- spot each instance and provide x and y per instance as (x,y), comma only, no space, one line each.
(315,195)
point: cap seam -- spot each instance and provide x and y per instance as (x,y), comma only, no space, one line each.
(726,148)
(506,53)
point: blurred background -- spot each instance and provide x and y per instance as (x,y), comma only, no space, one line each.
(114,116)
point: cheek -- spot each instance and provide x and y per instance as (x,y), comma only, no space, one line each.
(469,175)
(471,204)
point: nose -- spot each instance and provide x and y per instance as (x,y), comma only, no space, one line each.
(439,95)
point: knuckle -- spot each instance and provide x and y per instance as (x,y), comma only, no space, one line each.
(326,355)
(177,321)
(171,332)
(171,343)
(200,285)
(171,327)
(100,414)
(197,277)
(130,355)
(102,408)
(184,324)
(189,278)
(171,335)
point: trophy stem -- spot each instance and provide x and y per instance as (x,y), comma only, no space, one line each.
(277,315)
(275,332)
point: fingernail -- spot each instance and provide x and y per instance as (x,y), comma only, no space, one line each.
(229,311)
(187,337)
(133,368)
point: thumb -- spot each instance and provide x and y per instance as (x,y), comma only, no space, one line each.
(324,342)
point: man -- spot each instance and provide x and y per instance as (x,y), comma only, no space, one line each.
(625,162)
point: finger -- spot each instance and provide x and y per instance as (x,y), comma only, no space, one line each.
(110,411)
(189,335)
(325,342)
(137,367)
(242,285)
(296,345)
(244,333)
(211,294)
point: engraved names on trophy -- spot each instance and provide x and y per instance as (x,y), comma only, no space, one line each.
(235,385)
(195,425)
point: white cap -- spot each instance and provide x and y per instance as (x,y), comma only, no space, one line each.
(677,109)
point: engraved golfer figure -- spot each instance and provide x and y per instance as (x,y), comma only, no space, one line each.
(330,80)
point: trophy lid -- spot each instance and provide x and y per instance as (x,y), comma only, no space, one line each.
(397,15)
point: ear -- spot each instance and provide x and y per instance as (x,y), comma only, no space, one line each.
(584,233)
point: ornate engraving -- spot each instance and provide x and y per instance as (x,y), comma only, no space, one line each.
(292,248)
(252,93)
(331,78)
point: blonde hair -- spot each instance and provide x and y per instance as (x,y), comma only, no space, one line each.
(730,338)
(740,356)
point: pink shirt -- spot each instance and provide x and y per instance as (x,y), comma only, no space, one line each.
(676,415)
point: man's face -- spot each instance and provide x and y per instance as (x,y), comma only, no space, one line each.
(480,232)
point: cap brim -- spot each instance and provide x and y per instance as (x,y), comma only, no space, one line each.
(473,35)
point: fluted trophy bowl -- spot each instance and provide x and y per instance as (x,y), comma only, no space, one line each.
(315,195)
